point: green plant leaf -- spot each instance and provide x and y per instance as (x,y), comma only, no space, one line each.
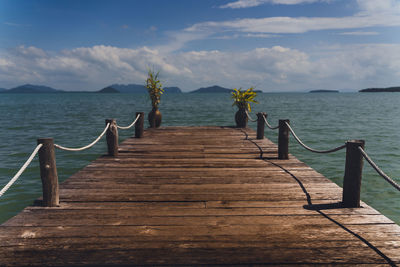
(242,99)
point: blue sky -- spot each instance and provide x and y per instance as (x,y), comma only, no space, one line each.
(275,45)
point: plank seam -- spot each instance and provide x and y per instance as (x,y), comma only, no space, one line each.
(309,201)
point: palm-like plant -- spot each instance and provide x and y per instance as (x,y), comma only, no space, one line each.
(242,99)
(154,87)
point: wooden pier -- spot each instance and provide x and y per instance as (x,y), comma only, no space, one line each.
(198,195)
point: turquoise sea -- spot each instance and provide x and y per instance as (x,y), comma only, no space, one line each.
(321,120)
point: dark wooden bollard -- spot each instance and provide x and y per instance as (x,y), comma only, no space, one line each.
(283,140)
(353,174)
(139,125)
(48,172)
(260,125)
(112,138)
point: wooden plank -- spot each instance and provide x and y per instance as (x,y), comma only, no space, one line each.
(188,253)
(197,195)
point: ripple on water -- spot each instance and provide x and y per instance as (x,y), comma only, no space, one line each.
(322,121)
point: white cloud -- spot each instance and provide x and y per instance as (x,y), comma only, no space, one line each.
(233,69)
(260,35)
(180,39)
(16,24)
(4,63)
(268,68)
(243,4)
(365,5)
(359,33)
(254,3)
(248,35)
(87,67)
(374,6)
(371,13)
(29,51)
(280,25)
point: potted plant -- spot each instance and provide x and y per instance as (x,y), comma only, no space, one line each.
(154,87)
(242,100)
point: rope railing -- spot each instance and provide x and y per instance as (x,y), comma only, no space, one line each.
(21,170)
(378,170)
(269,125)
(129,126)
(248,116)
(84,147)
(354,159)
(48,169)
(262,121)
(353,168)
(311,149)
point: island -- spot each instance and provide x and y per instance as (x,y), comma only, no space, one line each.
(108,90)
(172,90)
(134,89)
(216,89)
(31,89)
(118,88)
(380,90)
(324,91)
(115,88)
(212,89)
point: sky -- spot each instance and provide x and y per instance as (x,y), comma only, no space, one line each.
(272,45)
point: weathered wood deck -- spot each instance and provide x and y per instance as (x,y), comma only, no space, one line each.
(198,195)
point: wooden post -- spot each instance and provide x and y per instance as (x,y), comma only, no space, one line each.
(353,174)
(112,138)
(139,125)
(48,173)
(260,125)
(283,140)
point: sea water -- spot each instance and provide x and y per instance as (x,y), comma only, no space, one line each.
(321,120)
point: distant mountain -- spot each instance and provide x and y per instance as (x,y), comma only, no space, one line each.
(217,89)
(324,91)
(108,90)
(138,89)
(3,89)
(212,89)
(32,89)
(129,88)
(379,90)
(172,90)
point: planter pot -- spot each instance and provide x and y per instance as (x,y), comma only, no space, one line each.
(154,118)
(241,118)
